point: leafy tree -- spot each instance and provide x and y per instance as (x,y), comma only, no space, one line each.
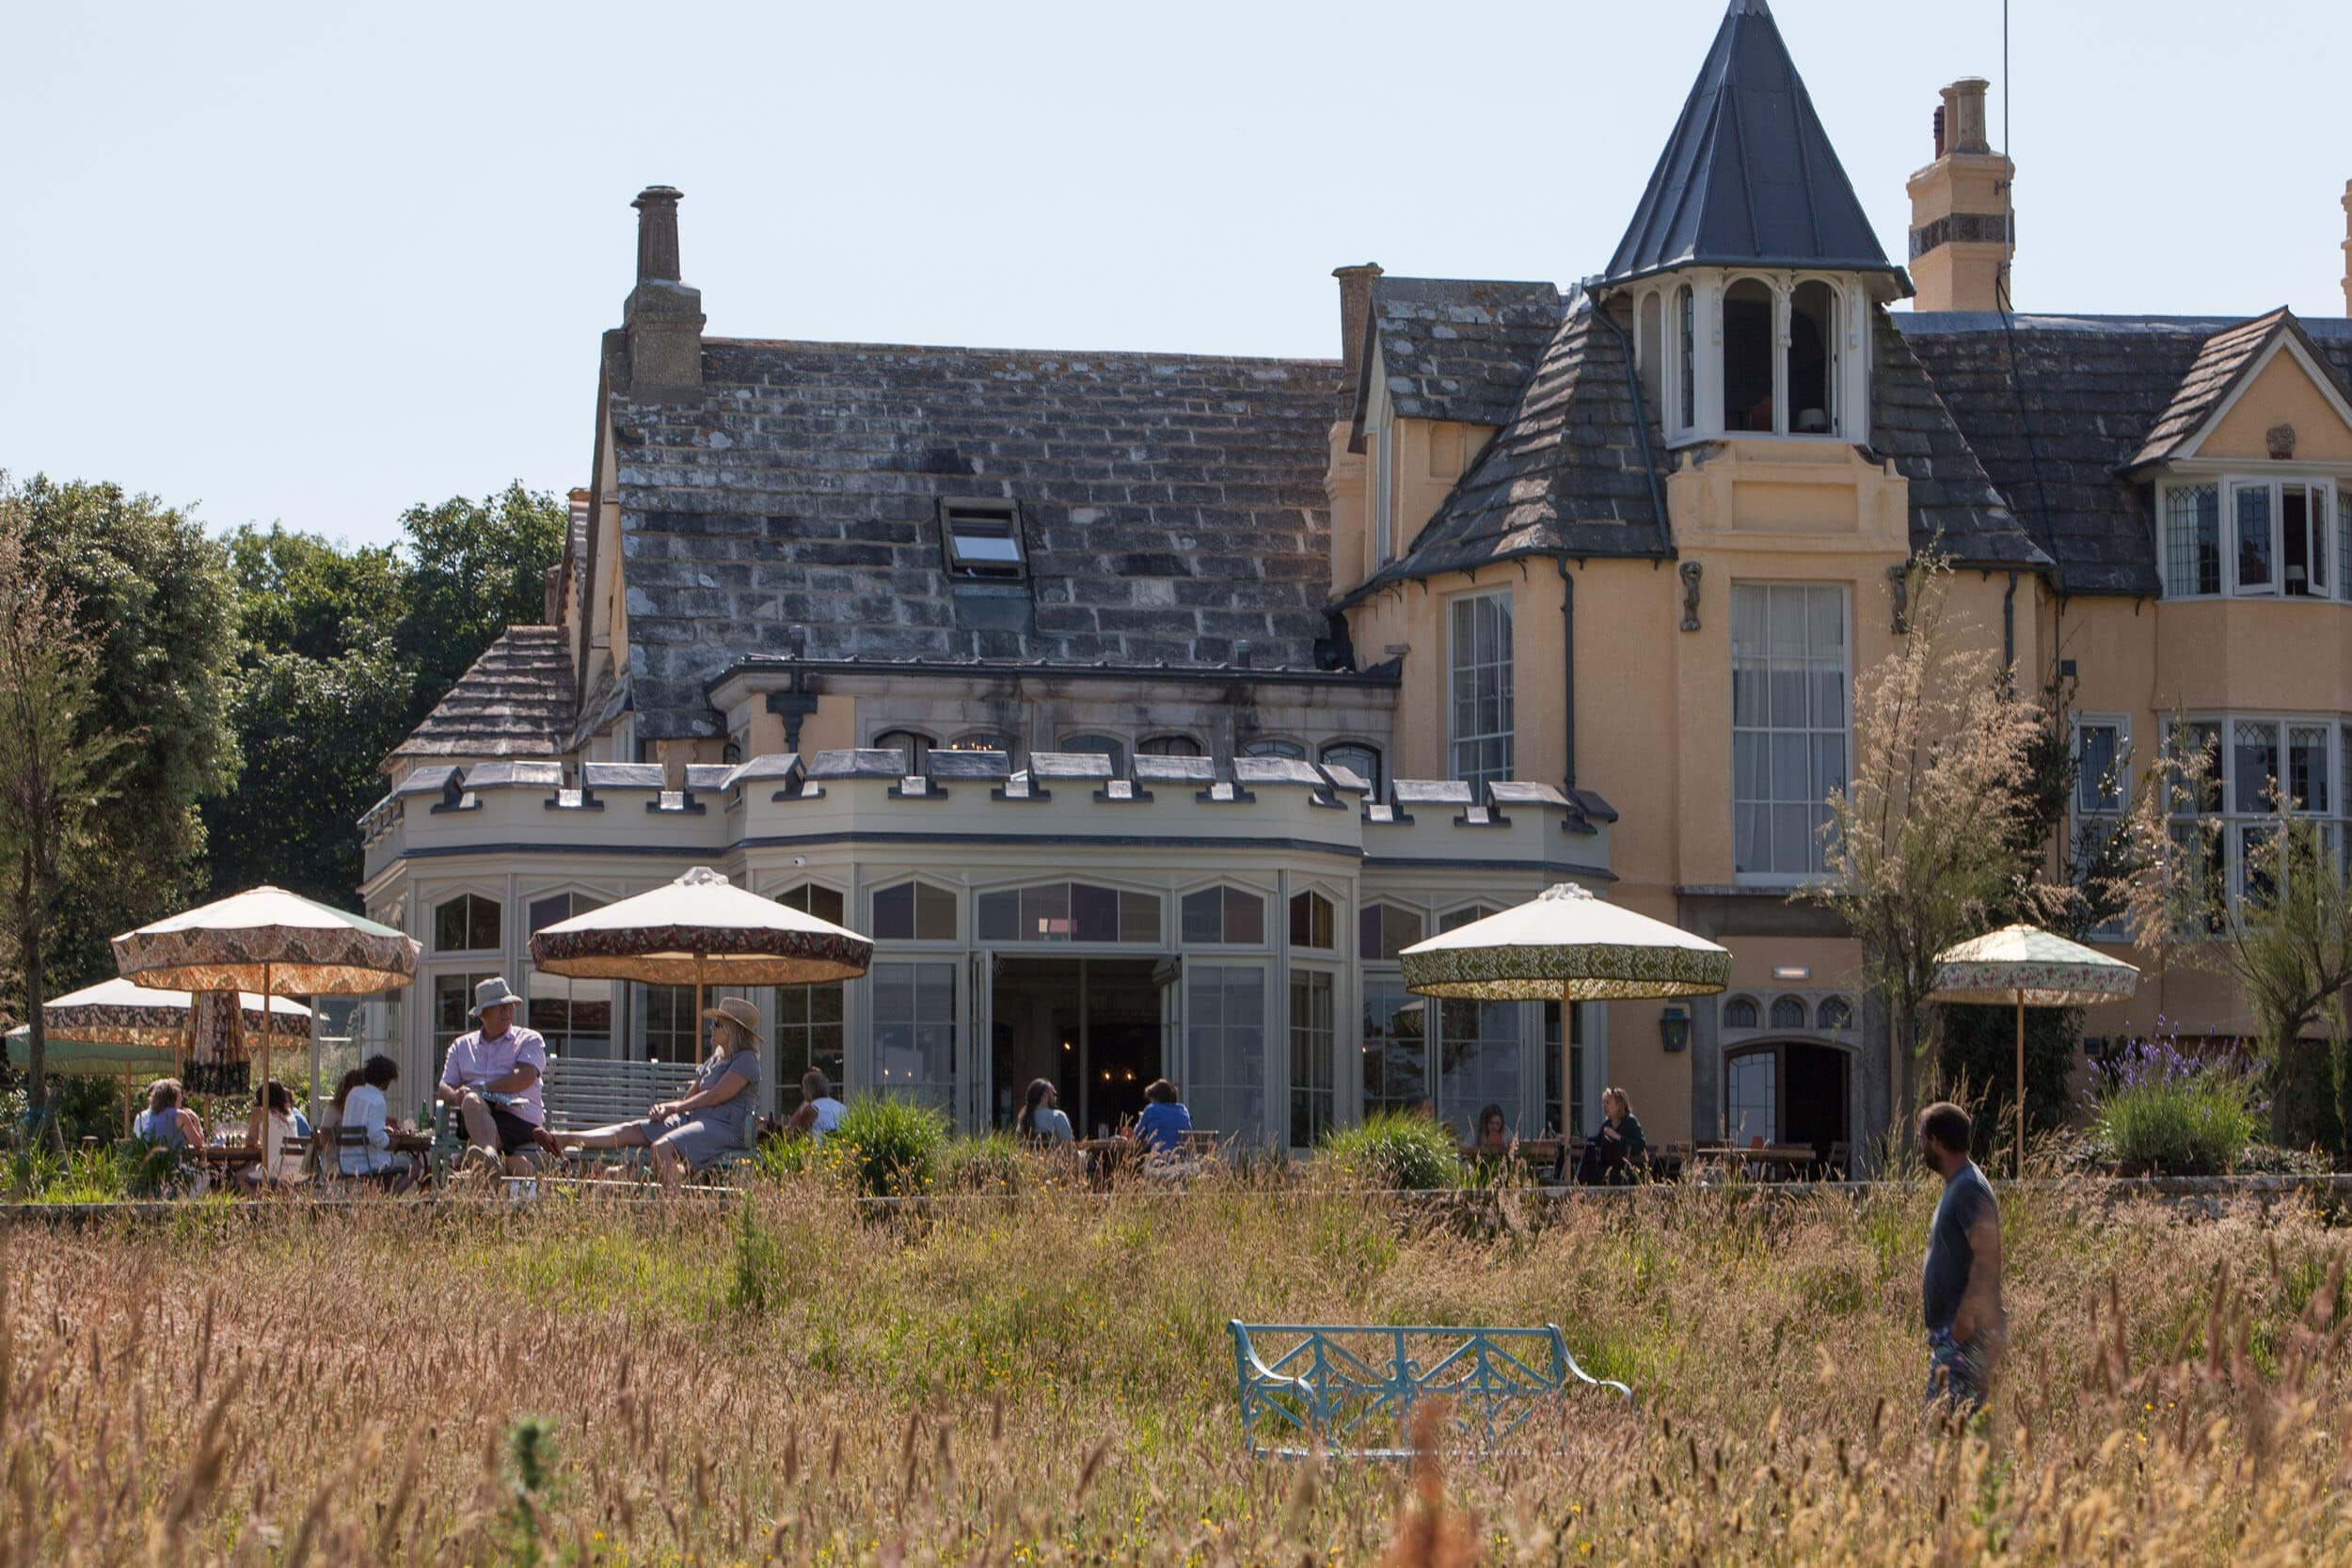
(2284,939)
(1925,847)
(299,593)
(59,765)
(475,568)
(152,596)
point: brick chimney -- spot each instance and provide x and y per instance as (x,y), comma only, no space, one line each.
(1355,306)
(663,318)
(1960,205)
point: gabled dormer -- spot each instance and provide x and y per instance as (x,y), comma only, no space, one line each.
(1751,270)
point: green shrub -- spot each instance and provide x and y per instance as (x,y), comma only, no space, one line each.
(2194,1125)
(1398,1151)
(891,1149)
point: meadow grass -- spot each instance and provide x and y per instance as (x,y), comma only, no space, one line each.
(1047,1378)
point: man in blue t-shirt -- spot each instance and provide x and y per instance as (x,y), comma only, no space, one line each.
(1960,1280)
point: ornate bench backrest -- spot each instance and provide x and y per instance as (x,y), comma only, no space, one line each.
(1353,1390)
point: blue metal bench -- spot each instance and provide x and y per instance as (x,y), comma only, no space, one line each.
(1351,1391)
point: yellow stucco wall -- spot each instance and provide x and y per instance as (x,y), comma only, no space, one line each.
(2281,392)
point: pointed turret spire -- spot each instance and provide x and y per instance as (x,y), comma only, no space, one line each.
(1749,176)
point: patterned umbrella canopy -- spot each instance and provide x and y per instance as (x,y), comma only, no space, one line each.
(701,931)
(119,1013)
(2026,966)
(1567,945)
(270,939)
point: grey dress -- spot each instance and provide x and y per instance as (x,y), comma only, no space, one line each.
(702,1135)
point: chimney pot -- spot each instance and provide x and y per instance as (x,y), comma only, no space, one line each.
(1355,308)
(657,233)
(2348,247)
(1964,116)
(1939,131)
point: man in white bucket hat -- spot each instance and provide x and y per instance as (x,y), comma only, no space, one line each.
(492,1077)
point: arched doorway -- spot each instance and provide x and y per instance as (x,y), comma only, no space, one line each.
(1788,1092)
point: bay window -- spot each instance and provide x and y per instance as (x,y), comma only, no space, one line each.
(2262,768)
(2284,537)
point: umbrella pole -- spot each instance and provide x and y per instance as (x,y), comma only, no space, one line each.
(2020,1085)
(261,1091)
(698,1010)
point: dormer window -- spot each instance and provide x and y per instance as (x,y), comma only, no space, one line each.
(1755,354)
(982,540)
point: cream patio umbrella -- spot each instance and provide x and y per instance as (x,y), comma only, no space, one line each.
(1566,945)
(701,931)
(116,1026)
(2027,967)
(263,938)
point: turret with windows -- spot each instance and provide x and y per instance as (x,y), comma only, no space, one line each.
(1749,266)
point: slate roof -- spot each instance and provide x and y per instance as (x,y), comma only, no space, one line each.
(1456,349)
(2219,366)
(1749,175)
(515,701)
(2090,390)
(1564,476)
(1172,507)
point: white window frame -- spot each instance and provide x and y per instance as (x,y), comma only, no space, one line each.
(2080,816)
(1456,738)
(2238,817)
(1845,601)
(2335,542)
(1850,373)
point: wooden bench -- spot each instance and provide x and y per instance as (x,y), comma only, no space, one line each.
(1352,1391)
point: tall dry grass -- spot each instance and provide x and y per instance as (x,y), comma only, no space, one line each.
(1047,1378)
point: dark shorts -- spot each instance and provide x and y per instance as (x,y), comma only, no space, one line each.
(515,1134)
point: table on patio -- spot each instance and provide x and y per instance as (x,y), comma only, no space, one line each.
(1538,1154)
(1773,1162)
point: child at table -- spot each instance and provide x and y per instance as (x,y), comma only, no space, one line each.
(365,1112)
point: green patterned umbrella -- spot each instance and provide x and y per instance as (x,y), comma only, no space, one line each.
(1566,945)
(2023,966)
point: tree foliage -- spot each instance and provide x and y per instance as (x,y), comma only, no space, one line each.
(59,765)
(151,596)
(474,568)
(1925,847)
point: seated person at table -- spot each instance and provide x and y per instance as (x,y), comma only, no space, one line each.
(1618,1151)
(1041,1122)
(167,1123)
(695,1129)
(492,1078)
(367,1112)
(1161,1128)
(1494,1131)
(270,1128)
(819,1112)
(331,1114)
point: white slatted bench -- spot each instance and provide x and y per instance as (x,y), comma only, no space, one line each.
(581,1092)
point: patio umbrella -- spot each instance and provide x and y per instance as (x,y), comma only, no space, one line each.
(2027,967)
(701,931)
(117,1027)
(1566,945)
(265,937)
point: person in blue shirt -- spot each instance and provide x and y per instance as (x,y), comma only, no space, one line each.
(1959,1280)
(1161,1128)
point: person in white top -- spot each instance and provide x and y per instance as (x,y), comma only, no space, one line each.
(1041,1120)
(367,1112)
(492,1079)
(819,1112)
(270,1128)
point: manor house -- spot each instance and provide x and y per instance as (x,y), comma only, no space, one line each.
(1143,707)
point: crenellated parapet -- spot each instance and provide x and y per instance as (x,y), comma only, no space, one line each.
(1072,801)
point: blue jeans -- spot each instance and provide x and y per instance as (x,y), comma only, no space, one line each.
(1956,1374)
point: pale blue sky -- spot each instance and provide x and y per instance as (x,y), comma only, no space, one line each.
(311,263)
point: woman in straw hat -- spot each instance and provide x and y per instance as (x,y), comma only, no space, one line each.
(706,1122)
